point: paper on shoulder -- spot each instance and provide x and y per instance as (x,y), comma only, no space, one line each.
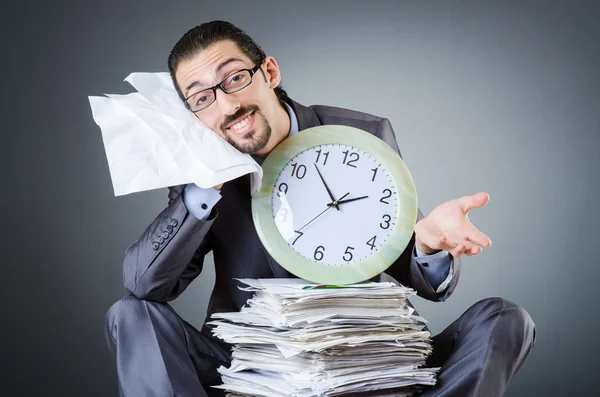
(152,141)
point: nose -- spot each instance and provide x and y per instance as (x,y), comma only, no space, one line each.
(228,103)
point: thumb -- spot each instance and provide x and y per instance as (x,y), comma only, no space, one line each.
(478,200)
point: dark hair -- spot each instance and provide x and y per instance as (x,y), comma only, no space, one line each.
(202,36)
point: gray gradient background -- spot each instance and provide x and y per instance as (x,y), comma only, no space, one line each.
(500,96)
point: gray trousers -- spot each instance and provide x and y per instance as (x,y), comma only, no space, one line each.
(159,354)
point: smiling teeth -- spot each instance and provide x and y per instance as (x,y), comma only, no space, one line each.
(241,124)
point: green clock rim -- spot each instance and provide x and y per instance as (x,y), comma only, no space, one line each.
(321,273)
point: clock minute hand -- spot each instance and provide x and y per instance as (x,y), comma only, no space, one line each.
(326,187)
(340,201)
(325,210)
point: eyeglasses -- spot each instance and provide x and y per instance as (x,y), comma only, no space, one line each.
(233,83)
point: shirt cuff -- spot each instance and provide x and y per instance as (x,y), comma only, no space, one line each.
(437,268)
(200,201)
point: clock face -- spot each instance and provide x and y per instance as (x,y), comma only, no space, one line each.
(335,204)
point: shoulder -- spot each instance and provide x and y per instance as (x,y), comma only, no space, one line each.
(376,125)
(325,112)
(349,117)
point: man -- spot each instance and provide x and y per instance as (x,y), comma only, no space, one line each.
(229,84)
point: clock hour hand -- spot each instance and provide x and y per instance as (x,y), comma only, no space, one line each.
(327,187)
(325,210)
(340,201)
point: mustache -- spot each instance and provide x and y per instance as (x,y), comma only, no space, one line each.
(241,112)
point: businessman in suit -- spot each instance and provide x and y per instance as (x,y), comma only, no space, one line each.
(230,84)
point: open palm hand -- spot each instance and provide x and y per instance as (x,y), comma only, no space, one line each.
(448,228)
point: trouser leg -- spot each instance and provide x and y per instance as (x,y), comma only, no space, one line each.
(481,351)
(159,354)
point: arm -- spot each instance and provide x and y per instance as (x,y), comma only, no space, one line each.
(406,269)
(170,253)
(435,267)
(199,201)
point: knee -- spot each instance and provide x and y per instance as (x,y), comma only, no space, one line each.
(512,319)
(521,322)
(126,310)
(126,315)
(115,317)
(122,309)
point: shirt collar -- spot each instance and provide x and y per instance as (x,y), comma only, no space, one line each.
(293,128)
(293,119)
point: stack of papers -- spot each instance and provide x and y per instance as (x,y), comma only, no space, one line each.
(296,338)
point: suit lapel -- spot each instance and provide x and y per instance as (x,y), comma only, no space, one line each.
(305,116)
(242,185)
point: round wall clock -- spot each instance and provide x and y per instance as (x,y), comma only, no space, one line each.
(337,205)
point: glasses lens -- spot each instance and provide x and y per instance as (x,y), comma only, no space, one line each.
(201,99)
(236,81)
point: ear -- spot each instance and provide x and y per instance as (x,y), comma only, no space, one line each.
(272,71)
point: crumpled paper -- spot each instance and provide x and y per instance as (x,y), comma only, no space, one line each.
(153,141)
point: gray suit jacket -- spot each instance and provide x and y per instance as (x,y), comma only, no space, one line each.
(170,253)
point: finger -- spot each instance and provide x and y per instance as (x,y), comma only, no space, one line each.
(455,244)
(450,242)
(447,244)
(443,240)
(467,203)
(479,238)
(433,241)
(473,249)
(458,250)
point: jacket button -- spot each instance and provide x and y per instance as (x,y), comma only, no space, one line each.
(165,235)
(173,222)
(169,228)
(155,246)
(161,240)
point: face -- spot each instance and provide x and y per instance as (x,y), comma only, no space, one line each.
(245,118)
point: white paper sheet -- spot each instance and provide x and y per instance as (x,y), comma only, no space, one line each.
(295,338)
(152,141)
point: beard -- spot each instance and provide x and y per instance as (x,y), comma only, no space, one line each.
(254,140)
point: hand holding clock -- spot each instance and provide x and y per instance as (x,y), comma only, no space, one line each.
(448,228)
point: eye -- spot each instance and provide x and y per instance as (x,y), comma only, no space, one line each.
(202,99)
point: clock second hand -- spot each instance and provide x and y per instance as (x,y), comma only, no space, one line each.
(329,206)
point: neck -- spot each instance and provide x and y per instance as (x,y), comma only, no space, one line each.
(279,131)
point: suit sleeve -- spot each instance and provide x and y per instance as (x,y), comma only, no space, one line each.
(170,253)
(406,270)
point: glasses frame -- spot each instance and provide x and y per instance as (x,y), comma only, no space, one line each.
(252,72)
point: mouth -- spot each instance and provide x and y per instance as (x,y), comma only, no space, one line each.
(242,126)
